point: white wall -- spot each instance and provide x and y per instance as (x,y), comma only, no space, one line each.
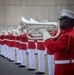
(12,10)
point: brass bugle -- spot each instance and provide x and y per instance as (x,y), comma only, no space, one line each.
(34,27)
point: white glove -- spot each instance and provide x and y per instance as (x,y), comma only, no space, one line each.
(42,30)
(46,35)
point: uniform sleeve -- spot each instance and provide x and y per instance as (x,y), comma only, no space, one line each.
(60,45)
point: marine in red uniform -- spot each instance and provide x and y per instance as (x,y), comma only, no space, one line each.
(63,46)
(41,62)
(11,45)
(31,51)
(4,47)
(50,56)
(23,48)
(8,48)
(17,40)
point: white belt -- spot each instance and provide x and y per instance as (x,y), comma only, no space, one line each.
(17,41)
(31,40)
(40,41)
(22,42)
(6,39)
(11,40)
(62,61)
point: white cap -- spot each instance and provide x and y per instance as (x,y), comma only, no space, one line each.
(67,13)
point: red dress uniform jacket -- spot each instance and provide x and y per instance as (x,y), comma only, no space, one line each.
(40,45)
(31,43)
(63,49)
(17,40)
(23,40)
(7,40)
(53,34)
(4,40)
(11,40)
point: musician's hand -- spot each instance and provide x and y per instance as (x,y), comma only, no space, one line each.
(46,35)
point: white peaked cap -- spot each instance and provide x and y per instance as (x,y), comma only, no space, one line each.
(67,13)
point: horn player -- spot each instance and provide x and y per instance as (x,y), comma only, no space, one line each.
(63,46)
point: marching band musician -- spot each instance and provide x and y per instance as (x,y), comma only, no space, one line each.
(41,52)
(63,46)
(50,55)
(23,48)
(17,40)
(7,46)
(11,46)
(7,35)
(40,49)
(31,51)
